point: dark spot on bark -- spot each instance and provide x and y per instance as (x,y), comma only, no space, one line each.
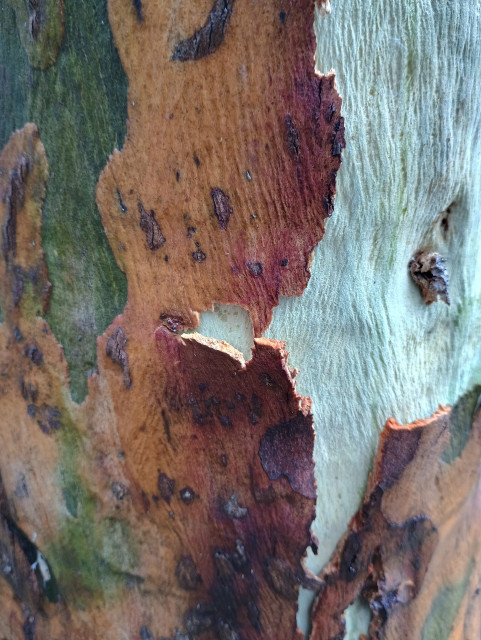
(196,160)
(15,199)
(186,573)
(116,351)
(222,208)
(399,448)
(206,40)
(187,495)
(177,176)
(429,272)
(232,508)
(338,142)
(444,218)
(122,206)
(225,421)
(263,495)
(351,558)
(225,631)
(190,232)
(28,390)
(166,258)
(29,628)
(286,450)
(267,380)
(34,354)
(224,460)
(224,567)
(119,490)
(137,4)
(255,409)
(284,262)
(202,386)
(255,268)
(254,616)
(21,488)
(173,322)
(145,633)
(149,225)
(292,137)
(166,487)
(17,334)
(282,16)
(200,618)
(198,254)
(281,578)
(32,410)
(166,422)
(330,111)
(48,418)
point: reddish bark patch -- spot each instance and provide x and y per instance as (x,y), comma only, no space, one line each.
(209,125)
(418,513)
(286,450)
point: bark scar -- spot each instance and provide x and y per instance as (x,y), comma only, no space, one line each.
(209,37)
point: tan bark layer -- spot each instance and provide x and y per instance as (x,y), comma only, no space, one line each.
(228,171)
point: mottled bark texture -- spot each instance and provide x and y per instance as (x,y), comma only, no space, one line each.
(412,550)
(176,500)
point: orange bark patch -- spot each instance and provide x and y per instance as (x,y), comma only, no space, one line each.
(416,534)
(228,171)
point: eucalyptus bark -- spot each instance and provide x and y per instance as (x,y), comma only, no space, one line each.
(156,475)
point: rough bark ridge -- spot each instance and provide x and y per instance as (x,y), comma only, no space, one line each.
(181,492)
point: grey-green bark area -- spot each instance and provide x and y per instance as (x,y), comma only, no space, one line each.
(80,107)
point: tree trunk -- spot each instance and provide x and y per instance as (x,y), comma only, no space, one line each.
(158,462)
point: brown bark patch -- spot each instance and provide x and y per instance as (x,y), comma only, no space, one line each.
(415,534)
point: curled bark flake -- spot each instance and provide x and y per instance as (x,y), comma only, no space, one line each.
(222,208)
(116,351)
(209,37)
(429,272)
(149,225)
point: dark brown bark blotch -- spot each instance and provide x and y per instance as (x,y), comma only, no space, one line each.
(222,208)
(116,351)
(149,225)
(209,37)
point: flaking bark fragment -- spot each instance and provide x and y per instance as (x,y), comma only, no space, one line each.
(222,208)
(429,272)
(418,513)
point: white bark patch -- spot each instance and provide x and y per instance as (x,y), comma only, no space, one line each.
(365,343)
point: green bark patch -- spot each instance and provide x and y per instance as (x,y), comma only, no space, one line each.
(460,423)
(444,610)
(40,27)
(79,105)
(92,556)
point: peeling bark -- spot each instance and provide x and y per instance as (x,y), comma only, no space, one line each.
(415,534)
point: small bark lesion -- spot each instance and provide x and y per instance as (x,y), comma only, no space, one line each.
(429,271)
